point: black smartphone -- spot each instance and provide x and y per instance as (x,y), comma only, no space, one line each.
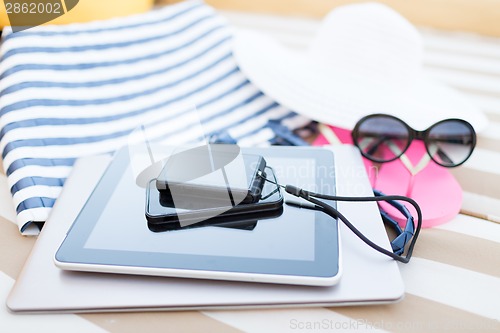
(213,171)
(165,213)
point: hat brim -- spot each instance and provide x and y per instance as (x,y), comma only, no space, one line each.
(341,98)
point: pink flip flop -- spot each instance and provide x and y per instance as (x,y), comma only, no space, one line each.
(433,187)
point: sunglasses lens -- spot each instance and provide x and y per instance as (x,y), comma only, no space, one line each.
(381,138)
(450,143)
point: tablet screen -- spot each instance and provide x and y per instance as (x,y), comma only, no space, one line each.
(126,229)
(112,228)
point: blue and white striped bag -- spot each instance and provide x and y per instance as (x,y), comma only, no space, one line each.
(76,90)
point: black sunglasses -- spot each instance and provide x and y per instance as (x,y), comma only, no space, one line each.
(384,138)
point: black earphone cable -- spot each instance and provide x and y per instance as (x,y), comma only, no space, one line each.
(312,197)
(327,209)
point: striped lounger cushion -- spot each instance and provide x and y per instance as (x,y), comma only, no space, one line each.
(76,90)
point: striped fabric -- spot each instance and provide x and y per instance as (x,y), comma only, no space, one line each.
(76,90)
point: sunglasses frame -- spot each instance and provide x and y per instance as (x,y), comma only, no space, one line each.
(413,135)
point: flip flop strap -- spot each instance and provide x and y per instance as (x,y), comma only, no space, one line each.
(329,135)
(413,169)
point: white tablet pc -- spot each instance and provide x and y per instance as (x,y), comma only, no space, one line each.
(111,232)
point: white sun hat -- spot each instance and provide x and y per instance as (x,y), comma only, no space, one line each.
(365,59)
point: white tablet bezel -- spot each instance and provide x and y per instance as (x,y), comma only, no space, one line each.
(304,278)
